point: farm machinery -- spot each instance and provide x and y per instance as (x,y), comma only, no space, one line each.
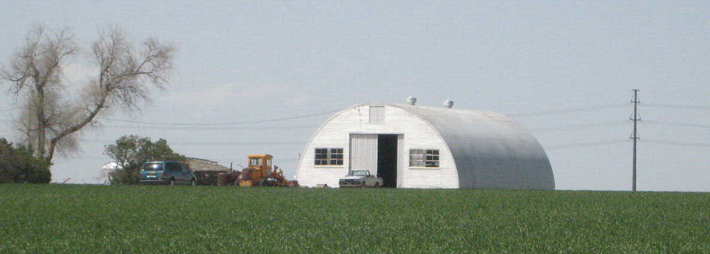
(259,172)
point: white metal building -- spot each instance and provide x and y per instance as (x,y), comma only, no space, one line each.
(426,147)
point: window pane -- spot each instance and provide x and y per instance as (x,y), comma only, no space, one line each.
(416,157)
(432,158)
(153,167)
(321,153)
(321,156)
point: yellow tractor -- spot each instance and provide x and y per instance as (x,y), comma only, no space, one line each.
(260,173)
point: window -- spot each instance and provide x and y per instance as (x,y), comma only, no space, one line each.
(377,114)
(255,162)
(432,158)
(172,166)
(321,156)
(359,173)
(424,158)
(336,156)
(416,158)
(329,156)
(152,167)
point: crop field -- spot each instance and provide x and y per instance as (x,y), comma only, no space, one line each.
(209,219)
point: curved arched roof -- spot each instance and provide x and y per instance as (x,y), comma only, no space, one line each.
(489,149)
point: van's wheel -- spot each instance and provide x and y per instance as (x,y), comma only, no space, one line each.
(362,185)
(172,181)
(193,182)
(377,185)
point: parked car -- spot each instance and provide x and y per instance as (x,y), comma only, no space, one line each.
(166,172)
(360,178)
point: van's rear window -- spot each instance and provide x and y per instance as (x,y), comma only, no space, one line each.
(152,167)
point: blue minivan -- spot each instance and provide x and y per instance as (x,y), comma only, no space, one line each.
(166,172)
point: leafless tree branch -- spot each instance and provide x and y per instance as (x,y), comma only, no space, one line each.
(125,75)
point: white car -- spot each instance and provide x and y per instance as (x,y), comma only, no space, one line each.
(360,178)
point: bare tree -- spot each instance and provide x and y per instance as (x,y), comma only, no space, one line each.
(51,119)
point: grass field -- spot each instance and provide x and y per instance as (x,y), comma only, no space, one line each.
(142,219)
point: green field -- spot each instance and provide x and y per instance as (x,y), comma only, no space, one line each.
(142,219)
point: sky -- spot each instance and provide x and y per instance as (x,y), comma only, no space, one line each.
(564,69)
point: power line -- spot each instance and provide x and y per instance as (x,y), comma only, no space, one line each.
(683,106)
(177,143)
(191,128)
(239,143)
(693,125)
(217,124)
(676,143)
(569,110)
(585,144)
(580,126)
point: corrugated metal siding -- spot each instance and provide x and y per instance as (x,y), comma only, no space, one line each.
(491,151)
(363,152)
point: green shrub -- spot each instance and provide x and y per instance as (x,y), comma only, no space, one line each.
(17,165)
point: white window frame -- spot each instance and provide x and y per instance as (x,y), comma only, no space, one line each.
(333,157)
(424,158)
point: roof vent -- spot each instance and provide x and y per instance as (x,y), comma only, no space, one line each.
(448,103)
(411,100)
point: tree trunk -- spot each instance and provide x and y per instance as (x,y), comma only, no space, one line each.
(53,142)
(41,123)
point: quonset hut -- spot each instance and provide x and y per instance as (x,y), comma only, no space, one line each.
(413,146)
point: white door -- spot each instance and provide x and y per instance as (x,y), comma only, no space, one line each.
(363,152)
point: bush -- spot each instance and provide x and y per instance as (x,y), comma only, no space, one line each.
(17,165)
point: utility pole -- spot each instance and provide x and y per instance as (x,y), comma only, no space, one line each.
(635,134)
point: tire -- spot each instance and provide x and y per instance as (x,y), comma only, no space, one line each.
(362,185)
(172,181)
(193,182)
(377,185)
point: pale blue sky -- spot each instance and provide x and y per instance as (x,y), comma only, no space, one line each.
(254,60)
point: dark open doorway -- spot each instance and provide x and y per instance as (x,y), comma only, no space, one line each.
(387,159)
